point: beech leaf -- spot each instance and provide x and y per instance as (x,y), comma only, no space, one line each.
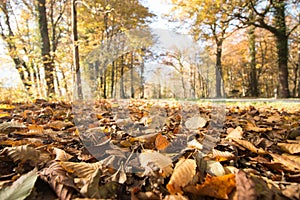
(21,188)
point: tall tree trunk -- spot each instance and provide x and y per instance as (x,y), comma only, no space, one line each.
(299,61)
(219,69)
(142,80)
(253,72)
(76,51)
(122,92)
(46,56)
(131,77)
(112,79)
(282,50)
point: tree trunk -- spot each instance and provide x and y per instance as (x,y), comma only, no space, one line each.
(112,79)
(282,50)
(76,51)
(253,72)
(219,69)
(299,62)
(131,76)
(122,92)
(142,80)
(46,56)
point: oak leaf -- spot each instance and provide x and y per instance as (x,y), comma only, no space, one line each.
(290,148)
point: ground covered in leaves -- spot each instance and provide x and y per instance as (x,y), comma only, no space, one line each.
(146,149)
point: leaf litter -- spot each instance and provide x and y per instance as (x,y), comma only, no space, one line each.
(148,150)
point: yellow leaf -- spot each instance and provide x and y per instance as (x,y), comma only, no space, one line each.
(4,114)
(6,107)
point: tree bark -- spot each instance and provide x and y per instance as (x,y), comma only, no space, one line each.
(46,55)
(76,51)
(122,92)
(219,69)
(131,76)
(253,72)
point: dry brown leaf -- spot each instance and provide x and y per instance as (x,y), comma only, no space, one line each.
(22,153)
(216,187)
(8,127)
(35,129)
(59,180)
(236,133)
(250,146)
(245,186)
(295,158)
(59,125)
(252,127)
(175,197)
(290,148)
(91,187)
(184,171)
(149,157)
(81,169)
(286,161)
(61,155)
(222,155)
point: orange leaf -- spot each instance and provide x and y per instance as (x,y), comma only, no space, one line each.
(161,142)
(217,187)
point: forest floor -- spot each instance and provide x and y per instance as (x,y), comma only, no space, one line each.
(150,149)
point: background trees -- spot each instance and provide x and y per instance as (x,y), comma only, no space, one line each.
(249,48)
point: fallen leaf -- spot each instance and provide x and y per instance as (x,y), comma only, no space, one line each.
(195,122)
(236,133)
(249,146)
(161,142)
(216,187)
(149,157)
(290,148)
(21,188)
(184,171)
(59,180)
(245,186)
(286,161)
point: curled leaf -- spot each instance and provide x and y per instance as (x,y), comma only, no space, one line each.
(184,171)
(215,168)
(59,180)
(164,163)
(222,155)
(61,155)
(249,146)
(22,153)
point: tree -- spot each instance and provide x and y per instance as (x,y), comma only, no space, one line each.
(11,39)
(278,27)
(76,51)
(253,83)
(210,20)
(46,49)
